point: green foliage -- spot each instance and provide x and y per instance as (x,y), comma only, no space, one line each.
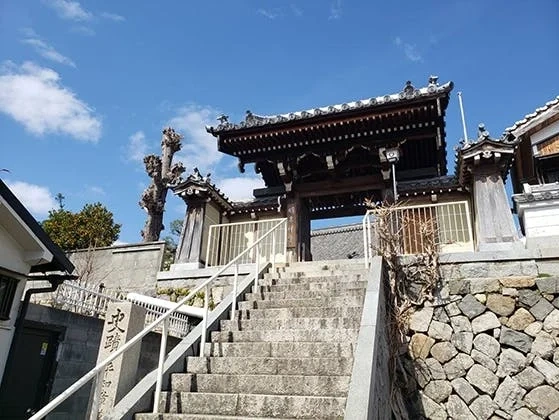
(171,243)
(93,226)
(177,293)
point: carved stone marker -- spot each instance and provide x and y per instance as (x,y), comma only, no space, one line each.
(123,321)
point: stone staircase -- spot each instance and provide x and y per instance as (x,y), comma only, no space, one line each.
(288,353)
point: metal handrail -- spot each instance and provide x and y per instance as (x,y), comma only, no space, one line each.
(97,371)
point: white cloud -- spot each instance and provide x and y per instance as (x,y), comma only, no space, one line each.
(96,190)
(297,11)
(83,30)
(270,14)
(34,96)
(240,188)
(38,200)
(410,51)
(137,147)
(119,242)
(112,16)
(198,147)
(335,10)
(48,51)
(70,10)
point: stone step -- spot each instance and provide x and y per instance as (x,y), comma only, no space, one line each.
(304,294)
(324,335)
(301,312)
(318,385)
(271,365)
(255,405)
(310,286)
(329,302)
(339,263)
(176,416)
(290,324)
(280,349)
(314,276)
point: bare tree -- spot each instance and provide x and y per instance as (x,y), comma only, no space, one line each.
(162,173)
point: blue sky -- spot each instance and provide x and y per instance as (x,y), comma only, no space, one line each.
(86,87)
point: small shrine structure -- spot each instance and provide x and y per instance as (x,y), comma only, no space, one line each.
(325,162)
(535,175)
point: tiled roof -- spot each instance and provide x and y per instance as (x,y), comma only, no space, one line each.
(530,117)
(256,204)
(337,243)
(409,93)
(438,184)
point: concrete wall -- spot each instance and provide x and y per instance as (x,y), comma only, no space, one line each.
(486,345)
(77,354)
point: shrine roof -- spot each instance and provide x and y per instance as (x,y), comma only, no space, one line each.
(256,205)
(407,95)
(522,125)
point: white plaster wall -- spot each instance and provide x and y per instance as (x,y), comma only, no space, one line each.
(12,256)
(541,219)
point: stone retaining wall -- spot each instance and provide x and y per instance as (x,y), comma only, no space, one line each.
(487,346)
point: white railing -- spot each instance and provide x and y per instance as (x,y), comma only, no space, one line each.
(179,322)
(230,239)
(448,224)
(98,371)
(85,299)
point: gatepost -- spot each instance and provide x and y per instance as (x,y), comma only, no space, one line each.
(122,322)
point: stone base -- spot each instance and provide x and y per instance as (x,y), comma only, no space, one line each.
(499,246)
(186,266)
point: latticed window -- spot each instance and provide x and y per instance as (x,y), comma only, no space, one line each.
(8,287)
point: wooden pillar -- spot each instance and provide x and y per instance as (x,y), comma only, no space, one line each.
(298,230)
(189,250)
(495,228)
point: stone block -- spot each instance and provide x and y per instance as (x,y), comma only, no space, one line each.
(463,341)
(438,391)
(529,378)
(440,315)
(487,345)
(501,305)
(520,319)
(525,414)
(460,323)
(463,388)
(528,298)
(459,286)
(443,351)
(435,368)
(484,360)
(551,322)
(543,345)
(534,328)
(484,285)
(541,309)
(440,331)
(510,362)
(548,284)
(518,282)
(483,379)
(458,366)
(457,409)
(421,319)
(509,395)
(547,369)
(471,307)
(483,407)
(516,339)
(420,345)
(544,400)
(430,409)
(452,309)
(484,322)
(509,291)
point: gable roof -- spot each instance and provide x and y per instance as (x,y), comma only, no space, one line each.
(540,114)
(59,261)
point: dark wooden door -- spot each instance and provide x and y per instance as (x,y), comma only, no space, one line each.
(28,378)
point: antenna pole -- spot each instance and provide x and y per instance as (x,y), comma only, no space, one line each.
(463,118)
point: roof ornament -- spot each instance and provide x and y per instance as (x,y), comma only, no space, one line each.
(433,80)
(223,119)
(409,90)
(483,134)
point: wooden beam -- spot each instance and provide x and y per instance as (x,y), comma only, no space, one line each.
(332,187)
